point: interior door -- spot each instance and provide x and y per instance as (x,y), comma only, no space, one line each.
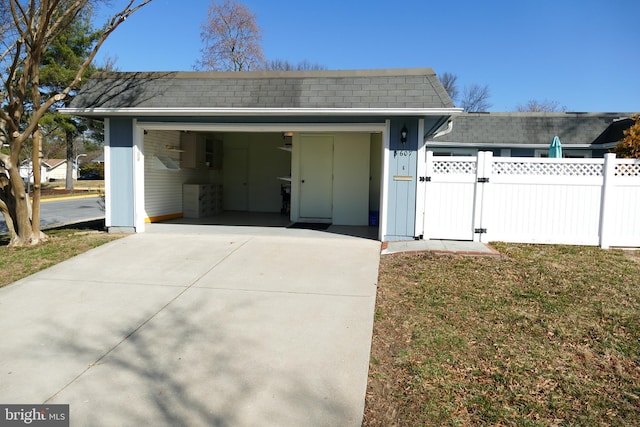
(316,177)
(236,176)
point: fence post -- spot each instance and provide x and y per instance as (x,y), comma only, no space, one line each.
(421,173)
(428,172)
(483,170)
(607,195)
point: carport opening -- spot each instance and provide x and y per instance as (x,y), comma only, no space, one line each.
(326,180)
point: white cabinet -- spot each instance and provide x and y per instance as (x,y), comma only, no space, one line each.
(200,151)
(201,200)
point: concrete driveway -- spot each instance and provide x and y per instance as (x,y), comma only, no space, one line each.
(176,327)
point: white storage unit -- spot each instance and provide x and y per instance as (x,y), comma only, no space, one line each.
(201,200)
(200,151)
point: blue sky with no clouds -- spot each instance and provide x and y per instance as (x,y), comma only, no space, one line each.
(582,54)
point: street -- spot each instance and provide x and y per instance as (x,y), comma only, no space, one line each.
(62,212)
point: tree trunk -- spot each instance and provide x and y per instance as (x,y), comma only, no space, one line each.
(37,185)
(15,206)
(21,220)
(70,165)
(7,204)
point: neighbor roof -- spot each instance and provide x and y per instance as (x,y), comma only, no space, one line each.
(529,128)
(53,163)
(188,93)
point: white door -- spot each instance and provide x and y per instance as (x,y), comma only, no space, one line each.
(236,173)
(316,177)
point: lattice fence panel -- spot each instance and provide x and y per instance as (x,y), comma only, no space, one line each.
(465,167)
(628,169)
(546,169)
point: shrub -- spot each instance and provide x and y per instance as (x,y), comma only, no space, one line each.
(629,147)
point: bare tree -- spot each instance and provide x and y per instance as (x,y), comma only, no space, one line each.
(475,98)
(285,65)
(29,29)
(232,39)
(544,106)
(449,82)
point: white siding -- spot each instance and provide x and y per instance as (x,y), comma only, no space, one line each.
(162,185)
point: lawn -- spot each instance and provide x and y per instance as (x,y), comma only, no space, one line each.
(16,263)
(542,335)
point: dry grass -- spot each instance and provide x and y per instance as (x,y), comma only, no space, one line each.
(16,263)
(544,335)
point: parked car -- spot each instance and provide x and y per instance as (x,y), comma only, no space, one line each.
(90,175)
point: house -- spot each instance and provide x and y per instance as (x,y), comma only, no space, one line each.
(50,170)
(57,169)
(583,135)
(343,145)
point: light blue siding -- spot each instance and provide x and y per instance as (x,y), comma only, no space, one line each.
(121,169)
(401,207)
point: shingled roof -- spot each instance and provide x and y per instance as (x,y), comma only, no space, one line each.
(529,128)
(362,89)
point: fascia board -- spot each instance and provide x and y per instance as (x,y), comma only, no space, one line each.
(257,112)
(504,145)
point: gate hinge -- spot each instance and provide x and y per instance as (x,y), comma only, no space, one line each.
(425,179)
(480,231)
(483,180)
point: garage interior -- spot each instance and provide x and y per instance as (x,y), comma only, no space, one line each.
(324,181)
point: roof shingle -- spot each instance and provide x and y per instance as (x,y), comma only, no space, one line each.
(529,128)
(394,88)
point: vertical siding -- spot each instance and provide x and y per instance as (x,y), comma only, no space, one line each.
(121,197)
(401,199)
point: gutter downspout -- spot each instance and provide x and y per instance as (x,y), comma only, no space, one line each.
(441,132)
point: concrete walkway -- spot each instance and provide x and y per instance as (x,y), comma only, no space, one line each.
(176,327)
(441,246)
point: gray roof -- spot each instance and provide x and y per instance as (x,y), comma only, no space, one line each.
(529,128)
(393,88)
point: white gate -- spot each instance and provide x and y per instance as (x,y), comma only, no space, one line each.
(531,200)
(451,186)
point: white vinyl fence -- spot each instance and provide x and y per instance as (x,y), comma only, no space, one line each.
(531,200)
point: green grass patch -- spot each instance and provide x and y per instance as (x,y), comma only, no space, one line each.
(543,335)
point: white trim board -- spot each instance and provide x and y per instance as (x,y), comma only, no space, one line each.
(260,112)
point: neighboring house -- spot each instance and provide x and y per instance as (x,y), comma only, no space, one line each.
(342,158)
(50,170)
(529,134)
(26,171)
(57,170)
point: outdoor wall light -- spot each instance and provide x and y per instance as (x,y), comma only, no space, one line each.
(403,134)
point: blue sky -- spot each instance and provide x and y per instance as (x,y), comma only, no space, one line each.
(582,54)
